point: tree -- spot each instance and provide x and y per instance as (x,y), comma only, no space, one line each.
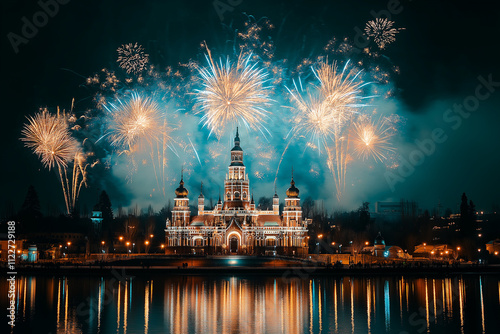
(30,212)
(104,205)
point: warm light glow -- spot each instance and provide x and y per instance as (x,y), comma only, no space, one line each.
(496,253)
(333,243)
(367,243)
(128,243)
(162,246)
(103,242)
(69,243)
(151,236)
(121,238)
(146,242)
(320,236)
(425,244)
(458,248)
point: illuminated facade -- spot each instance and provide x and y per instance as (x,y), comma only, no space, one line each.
(235,225)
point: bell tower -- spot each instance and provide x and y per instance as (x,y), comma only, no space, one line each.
(181,212)
(236,184)
(292,212)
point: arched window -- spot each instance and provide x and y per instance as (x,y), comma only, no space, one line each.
(244,195)
(237,195)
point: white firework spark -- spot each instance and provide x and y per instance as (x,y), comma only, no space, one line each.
(382,31)
(132,58)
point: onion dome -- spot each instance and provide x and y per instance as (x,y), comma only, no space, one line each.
(379,240)
(181,192)
(292,191)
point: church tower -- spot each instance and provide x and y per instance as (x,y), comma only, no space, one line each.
(292,212)
(181,212)
(236,184)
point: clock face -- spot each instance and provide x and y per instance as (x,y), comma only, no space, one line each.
(236,195)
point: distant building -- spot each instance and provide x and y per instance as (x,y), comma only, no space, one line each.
(234,225)
(493,247)
(393,211)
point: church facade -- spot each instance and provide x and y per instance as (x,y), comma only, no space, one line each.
(235,225)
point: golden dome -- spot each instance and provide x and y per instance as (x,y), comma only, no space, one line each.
(181,191)
(292,191)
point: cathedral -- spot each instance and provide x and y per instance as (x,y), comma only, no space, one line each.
(235,225)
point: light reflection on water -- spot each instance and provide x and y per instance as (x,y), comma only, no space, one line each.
(218,304)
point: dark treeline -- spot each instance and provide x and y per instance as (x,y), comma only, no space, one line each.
(354,229)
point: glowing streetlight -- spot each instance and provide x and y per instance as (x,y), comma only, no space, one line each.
(367,243)
(146,242)
(458,248)
(120,238)
(320,236)
(103,242)
(151,236)
(162,246)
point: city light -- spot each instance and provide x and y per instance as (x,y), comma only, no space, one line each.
(103,242)
(320,236)
(146,242)
(121,238)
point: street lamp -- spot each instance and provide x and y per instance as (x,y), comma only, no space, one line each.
(146,243)
(120,238)
(128,244)
(69,244)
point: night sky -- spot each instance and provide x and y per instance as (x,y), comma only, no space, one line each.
(441,53)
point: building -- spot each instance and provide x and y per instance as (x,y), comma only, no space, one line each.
(395,211)
(234,225)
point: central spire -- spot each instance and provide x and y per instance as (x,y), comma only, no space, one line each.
(237,151)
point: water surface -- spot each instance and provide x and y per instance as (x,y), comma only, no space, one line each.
(255,304)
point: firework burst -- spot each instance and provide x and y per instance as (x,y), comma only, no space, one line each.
(233,93)
(372,138)
(50,139)
(138,122)
(326,113)
(382,31)
(131,58)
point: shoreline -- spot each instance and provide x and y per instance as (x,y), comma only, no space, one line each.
(287,271)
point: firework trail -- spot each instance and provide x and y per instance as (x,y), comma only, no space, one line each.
(382,31)
(49,138)
(139,122)
(233,93)
(131,58)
